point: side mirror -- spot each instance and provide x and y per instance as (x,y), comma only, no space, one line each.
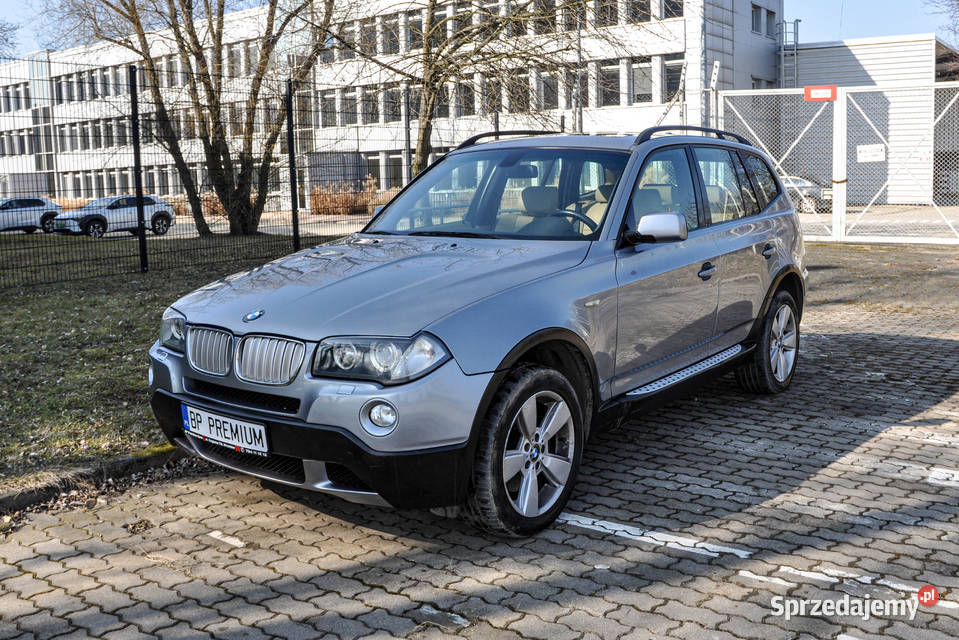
(658,227)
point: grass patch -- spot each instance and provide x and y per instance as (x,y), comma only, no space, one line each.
(73,364)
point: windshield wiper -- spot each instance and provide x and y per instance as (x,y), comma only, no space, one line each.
(455,234)
(379,233)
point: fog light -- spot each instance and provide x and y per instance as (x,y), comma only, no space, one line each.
(383,415)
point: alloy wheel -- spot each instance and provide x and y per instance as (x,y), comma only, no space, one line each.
(782,343)
(538,454)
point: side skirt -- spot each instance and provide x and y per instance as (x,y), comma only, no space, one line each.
(675,385)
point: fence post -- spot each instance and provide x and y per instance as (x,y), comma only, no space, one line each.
(407,155)
(839,169)
(294,191)
(137,168)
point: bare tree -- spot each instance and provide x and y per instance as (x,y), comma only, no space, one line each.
(8,37)
(239,155)
(501,42)
(947,65)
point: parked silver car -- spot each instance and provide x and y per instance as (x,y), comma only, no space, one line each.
(116,213)
(28,214)
(511,300)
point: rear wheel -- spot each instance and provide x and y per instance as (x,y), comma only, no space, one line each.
(95,228)
(771,368)
(528,454)
(160,224)
(46,222)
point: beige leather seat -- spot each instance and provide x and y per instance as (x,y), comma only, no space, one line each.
(644,201)
(597,210)
(537,202)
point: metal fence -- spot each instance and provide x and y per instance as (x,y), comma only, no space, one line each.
(95,170)
(875,164)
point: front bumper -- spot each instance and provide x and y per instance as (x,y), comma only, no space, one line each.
(318,443)
(329,460)
(70,225)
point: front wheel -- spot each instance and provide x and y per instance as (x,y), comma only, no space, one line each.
(160,224)
(95,228)
(771,368)
(46,222)
(528,454)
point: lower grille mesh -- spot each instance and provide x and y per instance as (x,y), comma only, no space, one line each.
(274,465)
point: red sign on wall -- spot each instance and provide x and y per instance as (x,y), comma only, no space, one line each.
(825,93)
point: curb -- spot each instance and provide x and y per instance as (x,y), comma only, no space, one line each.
(128,465)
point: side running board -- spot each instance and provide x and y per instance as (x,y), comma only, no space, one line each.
(688,372)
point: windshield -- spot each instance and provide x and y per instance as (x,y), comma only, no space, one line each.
(550,194)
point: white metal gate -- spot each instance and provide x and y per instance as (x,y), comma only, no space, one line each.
(874,165)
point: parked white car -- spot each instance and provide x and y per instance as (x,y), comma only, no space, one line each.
(28,214)
(116,213)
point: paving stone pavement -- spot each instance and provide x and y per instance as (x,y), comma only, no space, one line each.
(686,522)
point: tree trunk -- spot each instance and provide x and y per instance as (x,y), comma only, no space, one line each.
(424,130)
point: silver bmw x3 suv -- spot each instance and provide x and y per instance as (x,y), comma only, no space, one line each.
(513,298)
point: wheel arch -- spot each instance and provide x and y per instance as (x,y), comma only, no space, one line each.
(557,348)
(789,279)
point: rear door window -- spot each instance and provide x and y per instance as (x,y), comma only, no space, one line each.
(724,193)
(763,177)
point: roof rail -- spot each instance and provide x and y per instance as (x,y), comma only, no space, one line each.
(469,142)
(719,133)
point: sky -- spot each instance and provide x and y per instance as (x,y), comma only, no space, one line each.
(821,19)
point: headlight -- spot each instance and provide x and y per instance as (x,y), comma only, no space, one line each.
(173,330)
(386,360)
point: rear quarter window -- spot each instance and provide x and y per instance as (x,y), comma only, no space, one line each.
(763,178)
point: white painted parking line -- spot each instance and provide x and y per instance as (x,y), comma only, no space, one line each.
(769,579)
(657,538)
(811,575)
(222,537)
(834,576)
(943,477)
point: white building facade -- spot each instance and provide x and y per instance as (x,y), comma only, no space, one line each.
(66,114)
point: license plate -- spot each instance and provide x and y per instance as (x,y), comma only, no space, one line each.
(239,435)
(61,225)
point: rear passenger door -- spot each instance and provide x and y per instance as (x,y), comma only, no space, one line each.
(667,293)
(746,239)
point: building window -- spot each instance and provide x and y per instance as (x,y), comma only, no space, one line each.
(327,54)
(414,30)
(606,13)
(371,105)
(637,11)
(550,88)
(391,35)
(672,74)
(757,19)
(348,111)
(672,9)
(545,16)
(574,16)
(466,98)
(519,98)
(771,24)
(393,110)
(368,37)
(609,83)
(642,80)
(347,36)
(328,109)
(577,89)
(493,98)
(373,169)
(394,168)
(757,83)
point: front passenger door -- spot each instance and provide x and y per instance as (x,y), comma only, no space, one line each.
(667,293)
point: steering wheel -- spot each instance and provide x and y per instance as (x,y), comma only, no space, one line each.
(576,215)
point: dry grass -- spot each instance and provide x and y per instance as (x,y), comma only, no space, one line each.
(69,204)
(343,199)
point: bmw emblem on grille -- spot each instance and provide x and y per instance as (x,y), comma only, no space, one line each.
(253,315)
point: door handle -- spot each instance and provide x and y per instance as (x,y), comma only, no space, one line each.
(768,251)
(707,271)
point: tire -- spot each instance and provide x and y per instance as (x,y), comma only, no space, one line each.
(160,224)
(95,228)
(46,222)
(501,502)
(773,363)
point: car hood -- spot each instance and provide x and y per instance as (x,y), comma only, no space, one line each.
(388,286)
